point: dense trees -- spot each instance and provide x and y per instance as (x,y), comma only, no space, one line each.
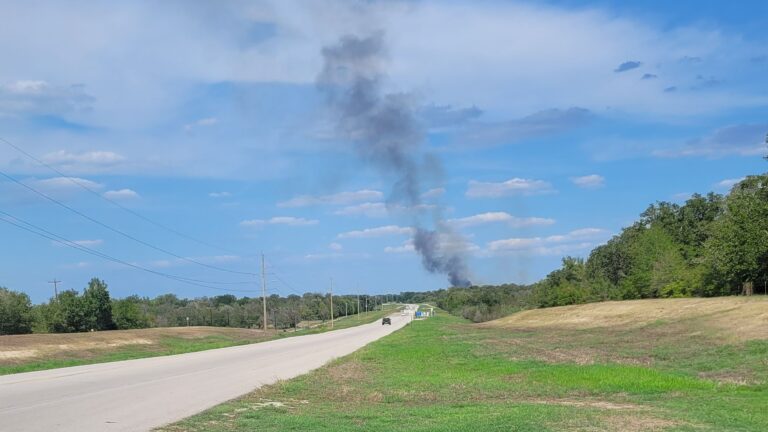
(95,310)
(477,303)
(15,312)
(709,246)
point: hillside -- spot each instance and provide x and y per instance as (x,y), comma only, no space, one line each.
(733,318)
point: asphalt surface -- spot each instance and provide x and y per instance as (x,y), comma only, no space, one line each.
(138,395)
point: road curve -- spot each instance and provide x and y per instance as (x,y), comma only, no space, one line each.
(138,395)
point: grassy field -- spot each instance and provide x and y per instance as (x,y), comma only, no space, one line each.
(26,353)
(659,365)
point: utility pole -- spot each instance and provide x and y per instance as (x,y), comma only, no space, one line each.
(358,306)
(346,309)
(55,288)
(766,143)
(264,293)
(331,303)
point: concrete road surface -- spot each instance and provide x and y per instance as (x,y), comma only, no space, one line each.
(138,395)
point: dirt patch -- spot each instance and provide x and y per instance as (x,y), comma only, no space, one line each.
(18,354)
(741,378)
(15,349)
(346,372)
(629,423)
(600,404)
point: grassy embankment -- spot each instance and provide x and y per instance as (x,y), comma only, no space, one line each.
(648,365)
(26,353)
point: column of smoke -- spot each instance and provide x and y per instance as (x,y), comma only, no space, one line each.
(388,135)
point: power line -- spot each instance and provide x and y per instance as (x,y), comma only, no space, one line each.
(115,203)
(42,232)
(120,232)
(281,280)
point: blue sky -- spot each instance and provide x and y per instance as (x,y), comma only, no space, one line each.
(554,123)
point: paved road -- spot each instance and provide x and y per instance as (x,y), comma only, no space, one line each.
(138,395)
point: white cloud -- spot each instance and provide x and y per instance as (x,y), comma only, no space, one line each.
(514,186)
(576,51)
(446,243)
(406,247)
(727,184)
(382,231)
(42,98)
(60,188)
(99,157)
(203,122)
(551,121)
(498,217)
(279,220)
(335,246)
(121,194)
(433,193)
(63,184)
(219,194)
(335,255)
(738,140)
(84,243)
(374,210)
(591,181)
(340,198)
(576,240)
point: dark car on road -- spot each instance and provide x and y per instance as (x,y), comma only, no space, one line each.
(386,320)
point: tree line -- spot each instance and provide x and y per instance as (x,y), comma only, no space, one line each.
(712,245)
(475,303)
(95,310)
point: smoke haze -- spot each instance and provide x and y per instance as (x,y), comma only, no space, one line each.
(387,134)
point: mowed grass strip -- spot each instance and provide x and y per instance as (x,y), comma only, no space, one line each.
(28,353)
(445,374)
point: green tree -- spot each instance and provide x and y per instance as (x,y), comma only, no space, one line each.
(656,263)
(15,312)
(98,306)
(127,314)
(737,250)
(67,313)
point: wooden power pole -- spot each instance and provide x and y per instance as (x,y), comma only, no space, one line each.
(55,288)
(264,293)
(331,302)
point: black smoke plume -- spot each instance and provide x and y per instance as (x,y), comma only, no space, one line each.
(386,132)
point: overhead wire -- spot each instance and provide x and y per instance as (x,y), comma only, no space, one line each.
(115,203)
(42,232)
(120,232)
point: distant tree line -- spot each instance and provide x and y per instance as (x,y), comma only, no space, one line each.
(476,303)
(94,310)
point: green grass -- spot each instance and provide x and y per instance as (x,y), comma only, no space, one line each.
(175,345)
(444,374)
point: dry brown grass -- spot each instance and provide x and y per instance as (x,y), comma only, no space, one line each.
(735,318)
(22,348)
